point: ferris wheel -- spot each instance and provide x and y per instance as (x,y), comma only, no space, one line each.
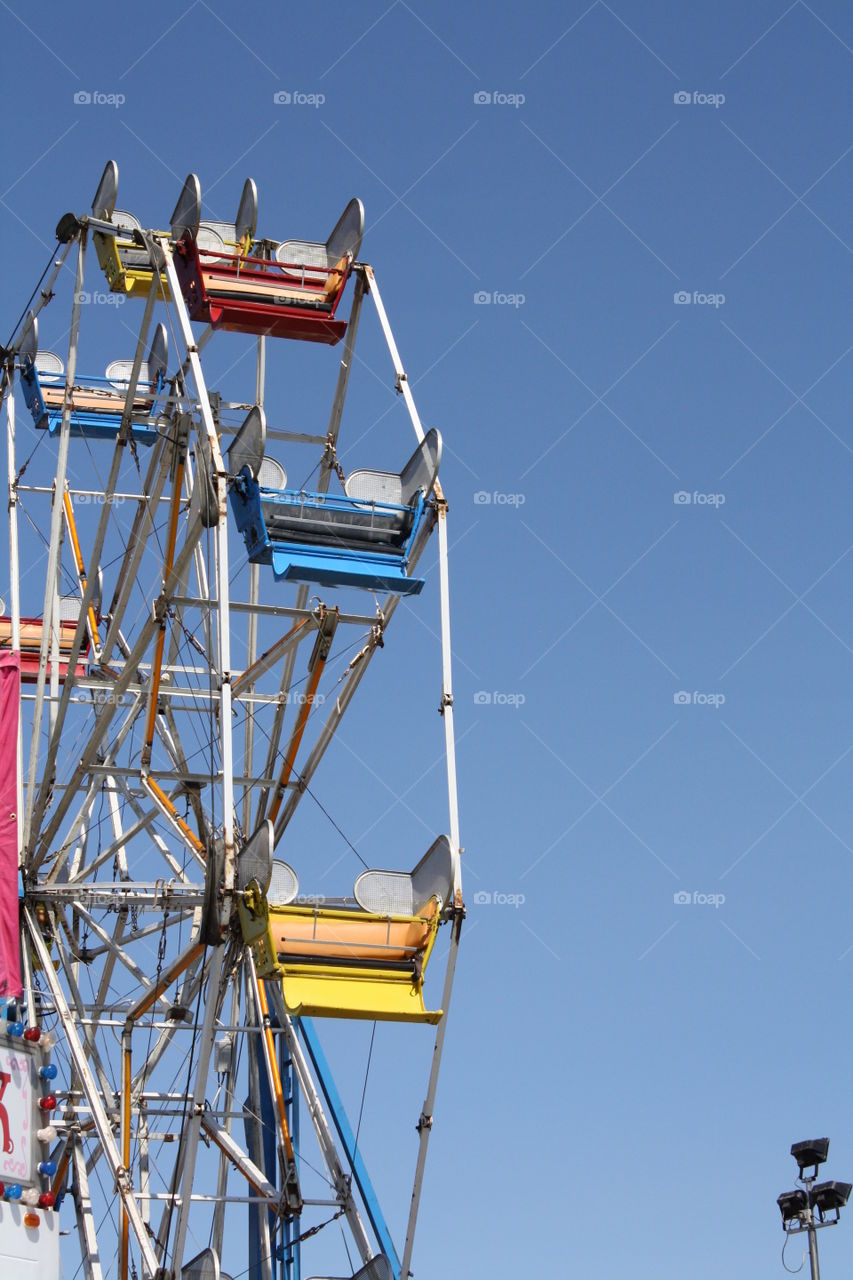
(185,633)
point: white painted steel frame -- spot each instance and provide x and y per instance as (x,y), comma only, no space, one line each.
(47,808)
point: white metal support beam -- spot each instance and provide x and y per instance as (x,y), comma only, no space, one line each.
(93,1097)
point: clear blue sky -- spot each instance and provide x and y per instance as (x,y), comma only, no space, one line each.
(624,1074)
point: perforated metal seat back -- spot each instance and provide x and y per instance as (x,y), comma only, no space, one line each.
(214,236)
(303,254)
(385,892)
(418,475)
(346,236)
(374,486)
(127,221)
(284,884)
(433,876)
(49,364)
(69,608)
(421,470)
(119,371)
(271,474)
(205,1266)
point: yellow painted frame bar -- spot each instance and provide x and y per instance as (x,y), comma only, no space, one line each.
(296,738)
(81,569)
(281,1108)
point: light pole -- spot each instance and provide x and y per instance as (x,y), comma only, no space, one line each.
(798,1207)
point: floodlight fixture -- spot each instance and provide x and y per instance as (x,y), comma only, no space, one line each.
(830,1197)
(810,1154)
(792,1205)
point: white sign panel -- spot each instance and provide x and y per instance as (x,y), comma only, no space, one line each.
(19,1094)
(28,1253)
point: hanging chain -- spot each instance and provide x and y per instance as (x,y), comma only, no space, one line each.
(161,947)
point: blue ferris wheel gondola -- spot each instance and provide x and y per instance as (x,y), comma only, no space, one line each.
(97,403)
(361,538)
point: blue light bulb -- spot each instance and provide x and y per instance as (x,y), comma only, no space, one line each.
(48,1072)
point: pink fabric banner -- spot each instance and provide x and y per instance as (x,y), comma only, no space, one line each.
(10,933)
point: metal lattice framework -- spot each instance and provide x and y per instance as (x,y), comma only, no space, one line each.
(171,724)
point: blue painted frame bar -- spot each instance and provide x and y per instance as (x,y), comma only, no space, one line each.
(305,1028)
(291,1251)
(265,1160)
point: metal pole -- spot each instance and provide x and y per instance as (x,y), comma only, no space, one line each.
(813,1258)
(814,1262)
